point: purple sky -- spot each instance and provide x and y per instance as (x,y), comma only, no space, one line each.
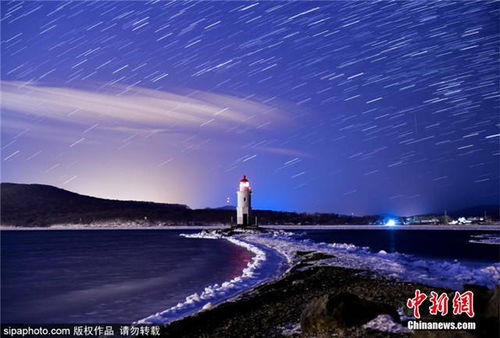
(350,107)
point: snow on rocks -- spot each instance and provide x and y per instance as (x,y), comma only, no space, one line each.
(255,273)
(434,272)
(385,323)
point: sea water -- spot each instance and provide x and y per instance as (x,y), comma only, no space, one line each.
(107,276)
(452,245)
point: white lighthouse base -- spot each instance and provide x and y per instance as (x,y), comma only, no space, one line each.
(243,208)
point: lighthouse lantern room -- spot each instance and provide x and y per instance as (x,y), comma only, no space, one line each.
(244,202)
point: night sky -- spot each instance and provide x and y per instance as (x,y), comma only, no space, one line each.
(351,107)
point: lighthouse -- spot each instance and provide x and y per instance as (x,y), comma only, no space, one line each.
(244,203)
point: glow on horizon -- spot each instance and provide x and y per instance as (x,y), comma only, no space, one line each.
(390,223)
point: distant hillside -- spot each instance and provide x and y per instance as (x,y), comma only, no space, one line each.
(42,205)
(227,207)
(32,205)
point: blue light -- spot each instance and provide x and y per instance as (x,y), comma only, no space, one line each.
(390,222)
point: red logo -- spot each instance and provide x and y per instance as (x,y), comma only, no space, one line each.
(439,304)
(462,303)
(414,303)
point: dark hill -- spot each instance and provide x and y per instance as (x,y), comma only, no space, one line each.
(227,207)
(42,205)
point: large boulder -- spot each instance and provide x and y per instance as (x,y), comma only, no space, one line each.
(340,311)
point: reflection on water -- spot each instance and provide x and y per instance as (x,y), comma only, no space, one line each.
(77,276)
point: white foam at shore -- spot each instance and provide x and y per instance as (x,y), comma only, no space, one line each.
(434,272)
(215,294)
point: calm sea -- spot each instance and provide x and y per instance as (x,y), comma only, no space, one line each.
(113,276)
(436,244)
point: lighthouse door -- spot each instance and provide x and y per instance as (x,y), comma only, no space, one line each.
(245,219)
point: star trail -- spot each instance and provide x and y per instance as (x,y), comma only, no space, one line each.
(356,107)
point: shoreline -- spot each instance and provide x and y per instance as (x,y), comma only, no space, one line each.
(85,227)
(437,272)
(479,227)
(265,266)
(489,227)
(311,273)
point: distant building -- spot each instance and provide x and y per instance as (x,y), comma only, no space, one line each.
(244,206)
(427,219)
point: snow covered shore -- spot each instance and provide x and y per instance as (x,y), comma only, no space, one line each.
(404,267)
(480,227)
(265,265)
(277,251)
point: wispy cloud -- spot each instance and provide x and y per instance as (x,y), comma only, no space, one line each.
(138,107)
